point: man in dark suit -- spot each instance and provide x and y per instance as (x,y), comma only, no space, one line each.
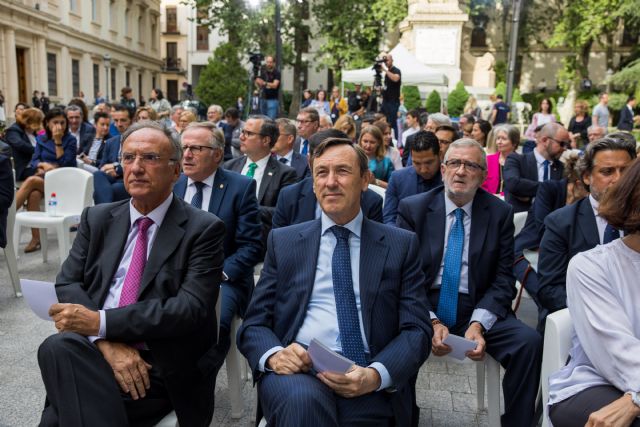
(627,115)
(523,172)
(258,137)
(423,174)
(232,198)
(135,330)
(6,196)
(466,242)
(297,203)
(308,122)
(578,227)
(83,131)
(284,152)
(107,182)
(351,283)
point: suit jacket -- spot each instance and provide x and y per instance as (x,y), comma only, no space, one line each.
(87,135)
(233,200)
(175,313)
(297,203)
(276,176)
(551,195)
(626,119)
(394,306)
(6,196)
(402,184)
(521,179)
(301,164)
(111,154)
(21,150)
(491,279)
(568,230)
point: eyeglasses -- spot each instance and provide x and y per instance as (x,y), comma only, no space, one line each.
(562,144)
(196,148)
(305,121)
(145,158)
(454,164)
(248,133)
(444,141)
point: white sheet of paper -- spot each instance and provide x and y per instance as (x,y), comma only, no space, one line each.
(40,296)
(324,359)
(459,346)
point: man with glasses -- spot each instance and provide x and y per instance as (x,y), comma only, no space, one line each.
(308,122)
(257,139)
(232,198)
(466,245)
(137,294)
(284,152)
(523,172)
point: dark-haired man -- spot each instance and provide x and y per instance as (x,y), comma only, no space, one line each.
(308,123)
(79,128)
(231,126)
(284,152)
(627,115)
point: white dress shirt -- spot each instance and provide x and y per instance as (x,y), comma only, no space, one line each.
(258,173)
(288,156)
(206,191)
(540,161)
(77,136)
(600,222)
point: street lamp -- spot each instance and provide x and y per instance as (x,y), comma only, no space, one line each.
(107,64)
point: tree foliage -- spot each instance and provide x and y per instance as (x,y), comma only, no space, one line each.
(411,97)
(434,102)
(457,98)
(224,78)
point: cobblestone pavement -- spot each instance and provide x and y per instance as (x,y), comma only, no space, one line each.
(446,392)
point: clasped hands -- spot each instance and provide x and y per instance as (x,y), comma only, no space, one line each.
(295,359)
(473,333)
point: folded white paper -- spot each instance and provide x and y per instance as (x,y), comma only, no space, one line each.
(459,346)
(40,296)
(324,359)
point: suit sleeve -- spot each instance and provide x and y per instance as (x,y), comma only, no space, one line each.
(6,183)
(543,205)
(281,213)
(514,183)
(289,177)
(390,209)
(374,211)
(552,266)
(17,143)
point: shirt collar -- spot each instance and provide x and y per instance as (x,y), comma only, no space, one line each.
(594,204)
(157,215)
(208,181)
(288,156)
(539,158)
(354,226)
(262,163)
(449,206)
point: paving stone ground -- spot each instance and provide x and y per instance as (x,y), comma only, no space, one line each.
(446,392)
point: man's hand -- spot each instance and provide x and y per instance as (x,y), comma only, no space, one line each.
(438,347)
(619,413)
(75,318)
(356,382)
(130,370)
(291,360)
(109,169)
(474,333)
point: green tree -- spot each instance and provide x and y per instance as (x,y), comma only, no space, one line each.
(501,89)
(411,97)
(516,97)
(457,98)
(434,102)
(224,78)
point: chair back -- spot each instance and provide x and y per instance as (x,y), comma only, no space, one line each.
(557,343)
(378,190)
(519,218)
(73,188)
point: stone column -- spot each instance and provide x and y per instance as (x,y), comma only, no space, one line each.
(11,75)
(65,88)
(41,80)
(86,77)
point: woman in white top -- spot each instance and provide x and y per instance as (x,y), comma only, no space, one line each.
(542,117)
(600,383)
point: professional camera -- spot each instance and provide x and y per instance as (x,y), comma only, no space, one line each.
(256,59)
(377,65)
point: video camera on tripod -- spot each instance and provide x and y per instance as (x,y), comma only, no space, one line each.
(377,83)
(256,59)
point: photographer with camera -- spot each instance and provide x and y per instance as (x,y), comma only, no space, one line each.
(269,82)
(391,92)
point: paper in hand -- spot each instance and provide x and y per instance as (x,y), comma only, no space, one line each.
(324,359)
(40,296)
(459,346)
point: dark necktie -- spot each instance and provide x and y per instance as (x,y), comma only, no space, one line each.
(283,160)
(305,147)
(545,174)
(610,234)
(448,302)
(196,201)
(347,310)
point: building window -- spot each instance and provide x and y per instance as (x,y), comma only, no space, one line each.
(202,40)
(140,84)
(172,91)
(154,34)
(127,78)
(73,5)
(126,23)
(172,20)
(96,79)
(75,77)
(112,17)
(141,27)
(94,10)
(153,82)
(113,84)
(52,74)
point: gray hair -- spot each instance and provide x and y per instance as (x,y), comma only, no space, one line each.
(215,107)
(594,127)
(288,126)
(466,143)
(176,108)
(440,119)
(608,143)
(216,138)
(148,124)
(73,108)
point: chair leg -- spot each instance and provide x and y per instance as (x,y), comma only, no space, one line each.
(493,389)
(62,231)
(480,382)
(16,238)
(12,264)
(44,244)
(234,376)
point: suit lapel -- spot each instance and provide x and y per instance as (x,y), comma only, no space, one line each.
(373,256)
(587,223)
(436,223)
(267,177)
(532,166)
(180,188)
(477,235)
(115,238)
(217,191)
(307,202)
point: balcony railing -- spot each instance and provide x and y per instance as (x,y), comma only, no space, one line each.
(173,65)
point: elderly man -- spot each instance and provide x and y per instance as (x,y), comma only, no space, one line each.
(308,122)
(284,152)
(232,198)
(595,132)
(137,296)
(214,114)
(81,130)
(466,242)
(523,172)
(432,123)
(350,283)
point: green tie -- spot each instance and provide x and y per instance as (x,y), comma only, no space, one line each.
(252,169)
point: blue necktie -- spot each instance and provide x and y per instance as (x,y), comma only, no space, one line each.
(545,175)
(610,234)
(348,321)
(305,147)
(448,303)
(283,160)
(196,201)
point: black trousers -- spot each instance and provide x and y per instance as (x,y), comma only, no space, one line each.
(82,390)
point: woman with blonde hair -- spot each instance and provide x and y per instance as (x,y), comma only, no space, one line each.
(471,107)
(380,166)
(579,124)
(145,113)
(185,118)
(347,125)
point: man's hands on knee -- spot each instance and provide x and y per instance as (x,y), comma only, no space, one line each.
(130,370)
(75,318)
(356,382)
(291,360)
(438,347)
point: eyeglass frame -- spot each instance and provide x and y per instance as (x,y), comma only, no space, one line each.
(197,148)
(151,158)
(468,166)
(248,133)
(563,144)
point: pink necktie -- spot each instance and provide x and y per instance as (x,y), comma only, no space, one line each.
(129,293)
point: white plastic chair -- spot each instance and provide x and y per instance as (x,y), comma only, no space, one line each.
(519,218)
(9,251)
(379,190)
(557,343)
(170,420)
(74,192)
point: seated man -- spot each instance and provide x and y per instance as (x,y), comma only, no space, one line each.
(523,172)
(466,244)
(284,151)
(423,174)
(135,330)
(297,203)
(351,283)
(578,227)
(232,198)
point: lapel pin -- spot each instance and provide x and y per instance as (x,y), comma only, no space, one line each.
(221,185)
(270,173)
